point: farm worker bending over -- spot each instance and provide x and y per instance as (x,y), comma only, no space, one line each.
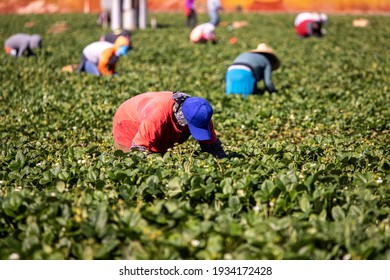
(310,16)
(251,67)
(22,44)
(112,36)
(310,24)
(155,121)
(100,58)
(190,12)
(203,33)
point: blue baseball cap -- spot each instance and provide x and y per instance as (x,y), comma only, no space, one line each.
(198,113)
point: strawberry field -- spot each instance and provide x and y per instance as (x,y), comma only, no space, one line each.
(307,172)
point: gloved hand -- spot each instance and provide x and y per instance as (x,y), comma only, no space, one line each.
(215,149)
(140,148)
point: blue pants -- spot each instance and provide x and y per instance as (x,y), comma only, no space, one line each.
(91,68)
(87,66)
(240,81)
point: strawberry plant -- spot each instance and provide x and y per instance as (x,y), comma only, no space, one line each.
(307,172)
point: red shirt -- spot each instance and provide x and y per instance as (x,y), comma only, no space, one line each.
(302,28)
(148,120)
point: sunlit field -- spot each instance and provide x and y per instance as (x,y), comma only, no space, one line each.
(307,171)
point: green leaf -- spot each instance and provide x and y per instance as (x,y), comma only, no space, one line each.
(196,182)
(46,178)
(92,175)
(304,204)
(105,248)
(234,204)
(338,214)
(100,219)
(171,206)
(60,186)
(174,187)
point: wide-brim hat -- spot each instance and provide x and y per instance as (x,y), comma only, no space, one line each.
(198,112)
(266,50)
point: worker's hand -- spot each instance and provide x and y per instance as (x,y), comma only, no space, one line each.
(140,148)
(215,149)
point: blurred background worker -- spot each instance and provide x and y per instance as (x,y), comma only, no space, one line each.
(251,67)
(100,58)
(190,12)
(213,8)
(156,121)
(104,17)
(112,36)
(203,33)
(310,24)
(22,44)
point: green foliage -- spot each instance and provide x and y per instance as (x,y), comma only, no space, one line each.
(307,172)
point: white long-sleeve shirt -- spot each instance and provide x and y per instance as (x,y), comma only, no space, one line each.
(93,52)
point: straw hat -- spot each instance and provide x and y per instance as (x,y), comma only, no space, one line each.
(263,48)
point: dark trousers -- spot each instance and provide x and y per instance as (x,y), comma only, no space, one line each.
(191,19)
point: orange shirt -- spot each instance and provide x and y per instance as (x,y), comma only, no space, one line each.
(148,120)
